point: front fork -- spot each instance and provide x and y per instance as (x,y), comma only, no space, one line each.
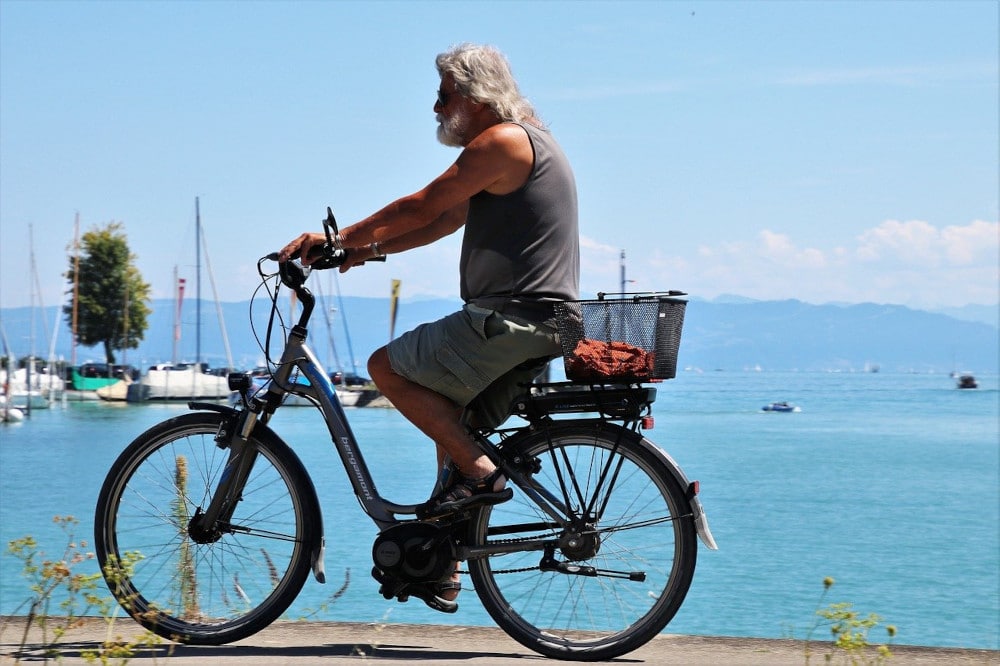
(209,523)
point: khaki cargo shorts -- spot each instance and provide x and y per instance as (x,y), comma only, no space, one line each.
(478,358)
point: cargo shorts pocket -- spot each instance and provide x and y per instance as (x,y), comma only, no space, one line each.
(484,322)
(473,380)
(461,354)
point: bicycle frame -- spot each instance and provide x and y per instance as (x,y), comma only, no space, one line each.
(298,356)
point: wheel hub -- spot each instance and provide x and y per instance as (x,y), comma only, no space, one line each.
(580,543)
(198,532)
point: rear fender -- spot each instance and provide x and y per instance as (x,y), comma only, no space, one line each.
(691,491)
(614,431)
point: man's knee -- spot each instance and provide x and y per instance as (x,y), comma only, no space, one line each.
(378,364)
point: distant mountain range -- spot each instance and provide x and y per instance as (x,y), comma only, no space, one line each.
(727,333)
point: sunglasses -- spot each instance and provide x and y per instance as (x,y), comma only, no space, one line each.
(443,97)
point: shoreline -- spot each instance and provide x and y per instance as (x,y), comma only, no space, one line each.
(303,642)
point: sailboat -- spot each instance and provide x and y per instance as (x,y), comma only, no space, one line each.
(36,384)
(185,381)
(86,378)
(8,412)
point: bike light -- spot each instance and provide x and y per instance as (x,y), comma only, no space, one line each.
(647,422)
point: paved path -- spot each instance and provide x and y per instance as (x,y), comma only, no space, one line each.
(336,643)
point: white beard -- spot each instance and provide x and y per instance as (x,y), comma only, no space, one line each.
(451,131)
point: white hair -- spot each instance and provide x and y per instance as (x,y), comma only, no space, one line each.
(483,74)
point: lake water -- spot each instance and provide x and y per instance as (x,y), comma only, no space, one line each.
(886,482)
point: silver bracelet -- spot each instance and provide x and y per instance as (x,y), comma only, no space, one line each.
(376,250)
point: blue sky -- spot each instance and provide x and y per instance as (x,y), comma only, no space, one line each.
(824,151)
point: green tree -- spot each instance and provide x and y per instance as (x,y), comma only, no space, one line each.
(110,295)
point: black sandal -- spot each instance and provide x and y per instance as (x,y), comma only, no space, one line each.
(426,592)
(463,494)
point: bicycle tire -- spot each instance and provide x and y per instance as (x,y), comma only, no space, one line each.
(645,526)
(204,593)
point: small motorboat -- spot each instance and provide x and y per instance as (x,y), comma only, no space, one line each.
(780,407)
(967,382)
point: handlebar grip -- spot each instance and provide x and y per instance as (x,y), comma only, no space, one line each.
(338,258)
(322,258)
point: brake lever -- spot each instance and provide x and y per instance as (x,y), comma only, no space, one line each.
(332,251)
(334,242)
(330,222)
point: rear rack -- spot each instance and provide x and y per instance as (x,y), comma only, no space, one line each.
(615,401)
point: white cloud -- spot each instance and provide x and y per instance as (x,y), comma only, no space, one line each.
(919,243)
(588,243)
(910,263)
(780,248)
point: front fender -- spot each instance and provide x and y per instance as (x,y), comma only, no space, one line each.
(260,430)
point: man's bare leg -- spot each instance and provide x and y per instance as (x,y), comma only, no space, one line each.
(435,415)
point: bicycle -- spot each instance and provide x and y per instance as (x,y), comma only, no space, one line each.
(208,525)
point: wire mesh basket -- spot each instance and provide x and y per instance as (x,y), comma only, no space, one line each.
(629,338)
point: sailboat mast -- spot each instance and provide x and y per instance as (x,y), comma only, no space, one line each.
(125,326)
(623,271)
(178,295)
(197,275)
(347,332)
(76,283)
(31,341)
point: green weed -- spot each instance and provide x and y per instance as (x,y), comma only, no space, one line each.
(850,630)
(58,586)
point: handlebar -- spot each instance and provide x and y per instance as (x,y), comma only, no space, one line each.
(330,254)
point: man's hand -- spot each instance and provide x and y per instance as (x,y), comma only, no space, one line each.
(355,257)
(301,245)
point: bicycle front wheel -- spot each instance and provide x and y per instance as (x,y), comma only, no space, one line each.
(216,590)
(615,578)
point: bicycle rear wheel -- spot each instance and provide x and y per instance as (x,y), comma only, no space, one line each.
(616,579)
(228,588)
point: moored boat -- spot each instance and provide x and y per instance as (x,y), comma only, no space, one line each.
(89,378)
(349,396)
(9,413)
(28,400)
(780,407)
(183,381)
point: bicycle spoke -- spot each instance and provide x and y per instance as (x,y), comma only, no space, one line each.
(217,583)
(609,579)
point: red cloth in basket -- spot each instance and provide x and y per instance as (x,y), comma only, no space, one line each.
(596,359)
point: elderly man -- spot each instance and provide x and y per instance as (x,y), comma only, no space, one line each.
(513,191)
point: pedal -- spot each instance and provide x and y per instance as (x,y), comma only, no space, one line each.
(389,587)
(423,593)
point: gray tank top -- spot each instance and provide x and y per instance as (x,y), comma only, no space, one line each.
(521,251)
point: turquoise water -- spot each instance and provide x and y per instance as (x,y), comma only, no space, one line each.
(886,482)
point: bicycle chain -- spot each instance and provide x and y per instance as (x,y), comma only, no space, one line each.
(521,570)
